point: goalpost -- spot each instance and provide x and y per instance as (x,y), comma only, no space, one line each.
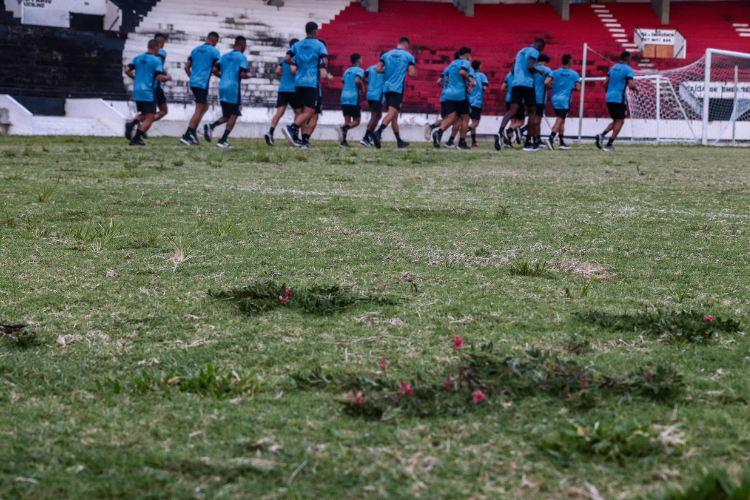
(705,102)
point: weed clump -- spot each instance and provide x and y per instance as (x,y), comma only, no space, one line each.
(261,297)
(714,485)
(19,336)
(685,326)
(526,268)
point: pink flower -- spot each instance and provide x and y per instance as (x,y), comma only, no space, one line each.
(350,397)
(448,381)
(283,299)
(359,398)
(708,318)
(404,389)
(458,342)
(384,363)
(477,397)
(288,294)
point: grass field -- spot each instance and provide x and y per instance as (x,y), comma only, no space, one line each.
(129,266)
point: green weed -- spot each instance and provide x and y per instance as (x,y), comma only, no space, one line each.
(526,268)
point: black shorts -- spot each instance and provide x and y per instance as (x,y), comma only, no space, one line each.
(562,113)
(159,96)
(523,95)
(475,113)
(375,106)
(319,106)
(520,114)
(308,97)
(200,95)
(617,111)
(540,110)
(146,107)
(394,100)
(461,108)
(288,99)
(229,109)
(353,110)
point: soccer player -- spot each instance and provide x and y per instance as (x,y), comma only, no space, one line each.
(374,82)
(199,68)
(308,55)
(524,70)
(430,127)
(517,122)
(564,82)
(542,83)
(231,68)
(309,127)
(350,103)
(476,99)
(618,80)
(395,64)
(161,98)
(287,95)
(456,101)
(145,70)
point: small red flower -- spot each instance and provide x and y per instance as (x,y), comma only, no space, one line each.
(448,381)
(477,397)
(405,389)
(458,342)
(708,318)
(288,294)
(283,299)
(350,397)
(384,363)
(359,398)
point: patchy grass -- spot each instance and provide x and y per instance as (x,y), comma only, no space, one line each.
(389,255)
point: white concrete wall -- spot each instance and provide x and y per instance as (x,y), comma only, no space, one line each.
(20,117)
(98,109)
(57,12)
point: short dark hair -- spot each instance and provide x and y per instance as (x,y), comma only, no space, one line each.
(455,56)
(463,51)
(354,58)
(213,34)
(625,54)
(153,44)
(240,39)
(476,64)
(311,28)
(540,41)
(323,42)
(404,39)
(566,59)
(543,58)
(293,41)
(158,35)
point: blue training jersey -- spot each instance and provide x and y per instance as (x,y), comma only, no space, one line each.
(476,98)
(203,59)
(147,68)
(231,65)
(375,82)
(509,82)
(397,63)
(563,82)
(619,76)
(287,77)
(442,94)
(163,56)
(455,90)
(522,77)
(350,92)
(308,54)
(539,79)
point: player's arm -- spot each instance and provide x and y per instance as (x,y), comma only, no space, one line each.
(531,66)
(577,87)
(504,87)
(243,74)
(465,75)
(325,75)
(412,71)
(485,87)
(129,70)
(163,77)
(548,82)
(366,79)
(289,59)
(216,70)
(279,70)
(440,82)
(631,85)
(606,83)
(189,66)
(381,67)
(358,82)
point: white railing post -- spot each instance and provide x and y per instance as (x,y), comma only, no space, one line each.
(734,107)
(583,93)
(706,95)
(658,108)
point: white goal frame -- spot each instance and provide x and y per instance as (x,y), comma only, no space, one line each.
(707,84)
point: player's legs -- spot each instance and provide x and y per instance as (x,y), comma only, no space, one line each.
(147,121)
(163,110)
(277,117)
(200,111)
(448,121)
(230,121)
(305,116)
(616,127)
(473,129)
(463,126)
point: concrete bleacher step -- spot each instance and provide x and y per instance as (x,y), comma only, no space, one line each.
(62,125)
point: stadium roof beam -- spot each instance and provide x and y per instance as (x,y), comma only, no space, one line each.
(661,7)
(563,8)
(371,5)
(465,6)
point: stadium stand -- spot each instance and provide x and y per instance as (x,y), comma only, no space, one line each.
(133,12)
(6,17)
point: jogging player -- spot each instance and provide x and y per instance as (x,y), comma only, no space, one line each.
(618,80)
(524,70)
(231,68)
(161,98)
(350,103)
(476,99)
(395,64)
(374,82)
(456,103)
(542,83)
(145,70)
(199,67)
(308,55)
(287,95)
(430,127)
(564,82)
(517,122)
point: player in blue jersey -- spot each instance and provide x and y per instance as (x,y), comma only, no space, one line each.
(287,95)
(199,67)
(456,105)
(374,82)
(231,68)
(564,82)
(309,56)
(542,83)
(350,95)
(145,70)
(524,70)
(476,99)
(161,98)
(619,79)
(395,65)
(430,127)
(516,127)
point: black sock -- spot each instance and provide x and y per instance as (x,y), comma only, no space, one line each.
(137,135)
(368,134)
(450,140)
(561,139)
(305,138)
(604,134)
(225,136)
(473,136)
(271,131)
(552,136)
(398,136)
(345,130)
(214,125)
(381,128)
(610,142)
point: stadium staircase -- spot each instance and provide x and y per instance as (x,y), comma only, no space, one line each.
(267,28)
(6,17)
